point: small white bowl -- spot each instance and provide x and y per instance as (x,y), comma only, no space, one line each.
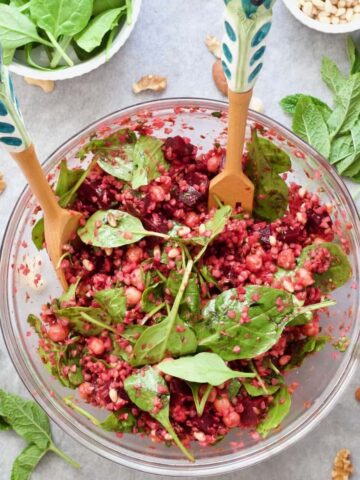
(293,7)
(79,68)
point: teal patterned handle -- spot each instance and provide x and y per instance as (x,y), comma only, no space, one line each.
(13,134)
(247,24)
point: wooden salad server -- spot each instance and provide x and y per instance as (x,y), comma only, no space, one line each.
(247,24)
(59,223)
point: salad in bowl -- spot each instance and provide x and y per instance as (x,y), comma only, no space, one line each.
(183,324)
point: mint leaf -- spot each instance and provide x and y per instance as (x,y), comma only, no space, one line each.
(354,56)
(310,125)
(290,102)
(26,462)
(347,106)
(331,75)
(341,148)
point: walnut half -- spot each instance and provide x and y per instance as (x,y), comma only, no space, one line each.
(150,82)
(342,468)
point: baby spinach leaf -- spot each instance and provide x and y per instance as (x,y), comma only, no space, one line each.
(16,28)
(113,301)
(26,418)
(331,75)
(67,179)
(167,337)
(171,336)
(26,462)
(113,228)
(202,368)
(223,333)
(310,125)
(234,388)
(94,32)
(61,17)
(199,403)
(302,348)
(78,318)
(215,226)
(290,102)
(339,271)
(70,294)
(112,423)
(190,305)
(152,297)
(120,165)
(278,410)
(69,194)
(148,391)
(263,168)
(301,319)
(147,157)
(260,391)
(102,5)
(38,234)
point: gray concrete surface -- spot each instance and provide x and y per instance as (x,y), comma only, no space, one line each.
(168,40)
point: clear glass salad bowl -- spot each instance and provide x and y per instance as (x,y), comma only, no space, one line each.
(322,378)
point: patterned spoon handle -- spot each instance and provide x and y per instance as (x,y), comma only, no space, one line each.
(13,134)
(247,24)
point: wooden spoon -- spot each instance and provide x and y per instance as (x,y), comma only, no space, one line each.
(60,224)
(247,23)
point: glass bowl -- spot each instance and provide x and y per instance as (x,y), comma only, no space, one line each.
(322,378)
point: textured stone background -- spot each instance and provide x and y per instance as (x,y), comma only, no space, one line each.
(168,40)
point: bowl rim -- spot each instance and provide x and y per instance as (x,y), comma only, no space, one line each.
(82,67)
(274,444)
(319,26)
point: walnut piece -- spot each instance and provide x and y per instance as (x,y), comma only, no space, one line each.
(47,85)
(150,82)
(213,44)
(2,183)
(342,468)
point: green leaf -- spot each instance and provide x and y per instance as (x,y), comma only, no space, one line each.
(26,462)
(354,56)
(147,157)
(26,418)
(67,179)
(113,228)
(120,165)
(290,102)
(79,324)
(69,196)
(3,424)
(339,271)
(190,304)
(234,388)
(260,391)
(8,55)
(94,32)
(202,368)
(16,28)
(215,225)
(113,301)
(70,294)
(264,164)
(38,234)
(170,336)
(310,125)
(61,17)
(148,391)
(223,333)
(102,5)
(331,75)
(112,423)
(303,348)
(199,403)
(347,107)
(152,297)
(278,410)
(341,148)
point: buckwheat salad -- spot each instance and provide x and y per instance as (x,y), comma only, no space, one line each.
(183,323)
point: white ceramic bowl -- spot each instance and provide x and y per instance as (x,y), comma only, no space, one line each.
(293,7)
(19,67)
